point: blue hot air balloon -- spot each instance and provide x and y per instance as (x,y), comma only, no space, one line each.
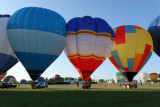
(37,36)
(154,30)
(7,57)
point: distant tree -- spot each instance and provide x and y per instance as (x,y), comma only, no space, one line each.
(46,80)
(101,80)
(61,79)
(68,78)
(80,79)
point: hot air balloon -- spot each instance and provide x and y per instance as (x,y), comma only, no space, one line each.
(9,78)
(3,75)
(117,77)
(144,77)
(153,76)
(88,42)
(23,81)
(154,30)
(37,36)
(7,57)
(40,79)
(132,49)
(57,78)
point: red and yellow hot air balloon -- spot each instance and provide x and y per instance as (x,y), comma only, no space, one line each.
(132,49)
(88,43)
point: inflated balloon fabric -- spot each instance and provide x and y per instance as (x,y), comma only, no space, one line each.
(88,43)
(37,36)
(132,49)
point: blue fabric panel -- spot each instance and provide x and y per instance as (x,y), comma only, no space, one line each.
(130,29)
(35,61)
(117,59)
(130,64)
(37,19)
(103,26)
(6,62)
(97,25)
(146,61)
(72,24)
(88,23)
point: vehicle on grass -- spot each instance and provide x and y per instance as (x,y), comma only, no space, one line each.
(42,85)
(7,85)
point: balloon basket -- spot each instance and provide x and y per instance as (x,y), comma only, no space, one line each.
(131,86)
(33,85)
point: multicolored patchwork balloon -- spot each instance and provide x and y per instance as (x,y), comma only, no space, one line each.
(37,36)
(132,49)
(88,43)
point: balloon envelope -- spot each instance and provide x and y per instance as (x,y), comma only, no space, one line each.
(154,30)
(88,43)
(117,77)
(57,78)
(40,79)
(23,81)
(153,76)
(7,57)
(144,77)
(132,49)
(8,78)
(37,36)
(3,75)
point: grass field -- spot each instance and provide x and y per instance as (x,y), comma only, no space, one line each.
(76,97)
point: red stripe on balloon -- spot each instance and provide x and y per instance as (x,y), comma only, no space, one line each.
(120,35)
(126,69)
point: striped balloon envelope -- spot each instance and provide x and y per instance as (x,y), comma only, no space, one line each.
(132,49)
(88,43)
(37,36)
(7,57)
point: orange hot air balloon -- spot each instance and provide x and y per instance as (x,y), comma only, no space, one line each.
(153,76)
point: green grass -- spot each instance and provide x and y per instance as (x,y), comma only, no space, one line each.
(79,98)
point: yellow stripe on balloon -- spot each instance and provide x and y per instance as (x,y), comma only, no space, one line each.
(121,48)
(141,41)
(130,44)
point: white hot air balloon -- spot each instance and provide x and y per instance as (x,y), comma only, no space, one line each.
(144,77)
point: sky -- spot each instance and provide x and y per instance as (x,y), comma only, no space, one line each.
(115,12)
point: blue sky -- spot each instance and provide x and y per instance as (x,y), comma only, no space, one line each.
(115,12)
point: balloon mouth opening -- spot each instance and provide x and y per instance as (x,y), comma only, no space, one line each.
(128,76)
(85,77)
